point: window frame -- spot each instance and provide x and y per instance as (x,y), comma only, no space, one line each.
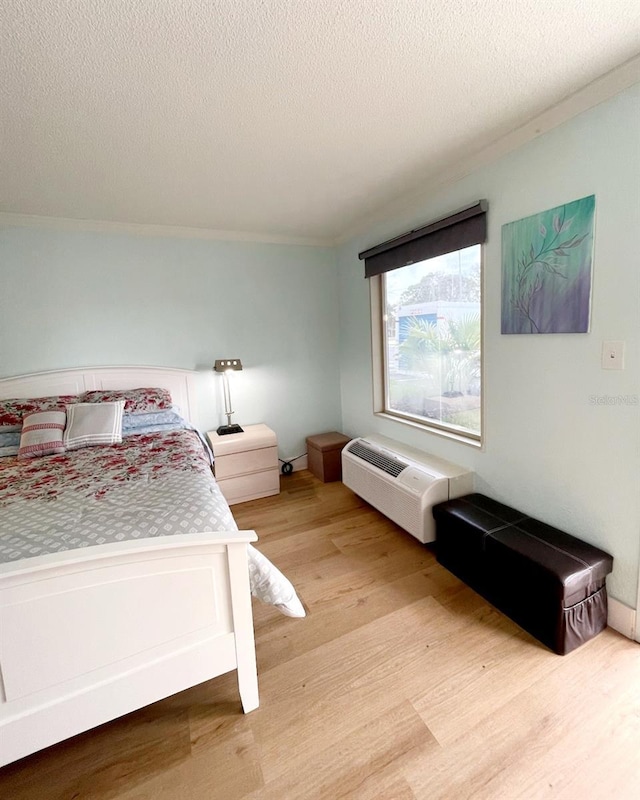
(380,369)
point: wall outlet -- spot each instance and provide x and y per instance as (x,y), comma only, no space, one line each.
(613,355)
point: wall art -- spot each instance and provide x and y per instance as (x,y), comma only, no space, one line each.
(547,261)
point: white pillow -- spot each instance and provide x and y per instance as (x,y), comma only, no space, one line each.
(42,434)
(90,424)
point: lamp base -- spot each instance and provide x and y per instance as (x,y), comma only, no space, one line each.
(223,430)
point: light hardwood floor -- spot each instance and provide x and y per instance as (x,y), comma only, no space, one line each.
(401,683)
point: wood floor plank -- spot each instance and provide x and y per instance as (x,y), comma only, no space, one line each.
(280,642)
(339,576)
(360,765)
(398,789)
(529,748)
(170,784)
(298,550)
(493,652)
(124,753)
(359,675)
(565,750)
(326,676)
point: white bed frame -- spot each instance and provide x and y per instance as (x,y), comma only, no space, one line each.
(91,634)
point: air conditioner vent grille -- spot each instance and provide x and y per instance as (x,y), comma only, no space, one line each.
(386,463)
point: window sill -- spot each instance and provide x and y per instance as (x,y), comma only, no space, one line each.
(456,437)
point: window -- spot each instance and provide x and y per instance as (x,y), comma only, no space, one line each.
(427,325)
(432,338)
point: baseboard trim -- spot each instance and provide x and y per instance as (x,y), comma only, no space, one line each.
(622,618)
(300,463)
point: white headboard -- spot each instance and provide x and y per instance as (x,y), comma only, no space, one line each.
(181,383)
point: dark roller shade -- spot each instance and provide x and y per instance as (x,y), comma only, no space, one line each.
(462,229)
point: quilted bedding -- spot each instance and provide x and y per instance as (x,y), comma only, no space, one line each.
(156,484)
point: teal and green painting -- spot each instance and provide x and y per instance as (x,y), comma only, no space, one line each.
(546,270)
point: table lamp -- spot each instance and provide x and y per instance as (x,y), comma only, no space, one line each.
(226,366)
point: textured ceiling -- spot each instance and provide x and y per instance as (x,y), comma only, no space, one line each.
(278,117)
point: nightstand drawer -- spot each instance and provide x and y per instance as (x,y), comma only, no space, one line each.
(250,487)
(234,464)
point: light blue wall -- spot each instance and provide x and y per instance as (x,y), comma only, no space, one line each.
(548,450)
(73,299)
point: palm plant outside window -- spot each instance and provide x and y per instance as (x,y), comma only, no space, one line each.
(432,341)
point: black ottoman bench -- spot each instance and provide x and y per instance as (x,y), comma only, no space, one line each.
(550,583)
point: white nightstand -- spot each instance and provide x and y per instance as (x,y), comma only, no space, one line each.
(246,464)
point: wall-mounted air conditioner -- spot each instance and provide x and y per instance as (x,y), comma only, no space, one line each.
(401,482)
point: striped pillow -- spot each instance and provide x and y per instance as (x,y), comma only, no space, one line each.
(42,434)
(91,424)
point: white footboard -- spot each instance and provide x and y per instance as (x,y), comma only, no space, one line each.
(89,635)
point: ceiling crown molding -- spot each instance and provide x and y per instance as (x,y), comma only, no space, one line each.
(8,219)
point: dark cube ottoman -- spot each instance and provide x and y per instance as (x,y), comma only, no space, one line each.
(324,455)
(552,584)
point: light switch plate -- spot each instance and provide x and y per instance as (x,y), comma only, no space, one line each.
(613,355)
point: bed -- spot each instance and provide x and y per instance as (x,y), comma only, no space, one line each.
(108,606)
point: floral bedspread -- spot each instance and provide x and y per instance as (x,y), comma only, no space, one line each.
(156,484)
(94,471)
